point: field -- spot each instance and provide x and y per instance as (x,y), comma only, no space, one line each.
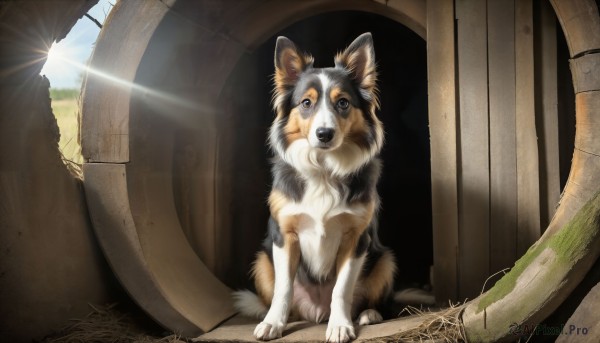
(66,108)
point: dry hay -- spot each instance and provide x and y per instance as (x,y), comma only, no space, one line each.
(108,324)
(73,167)
(437,326)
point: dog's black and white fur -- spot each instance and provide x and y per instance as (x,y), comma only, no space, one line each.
(322,258)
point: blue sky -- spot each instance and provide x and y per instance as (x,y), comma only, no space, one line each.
(76,46)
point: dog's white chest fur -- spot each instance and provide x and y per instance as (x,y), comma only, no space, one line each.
(319,231)
(319,228)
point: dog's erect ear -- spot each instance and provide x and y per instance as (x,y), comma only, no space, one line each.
(289,62)
(359,59)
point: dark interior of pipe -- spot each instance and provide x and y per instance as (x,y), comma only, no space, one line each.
(405,216)
(566,108)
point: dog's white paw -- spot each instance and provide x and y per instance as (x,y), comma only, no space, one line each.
(267,331)
(369,316)
(340,333)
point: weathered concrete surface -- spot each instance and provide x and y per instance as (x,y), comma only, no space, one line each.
(50,265)
(240,329)
(584,324)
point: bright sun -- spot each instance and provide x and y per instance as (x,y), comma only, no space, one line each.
(65,63)
(57,60)
(63,60)
(55,52)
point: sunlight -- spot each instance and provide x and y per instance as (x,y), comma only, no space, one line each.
(167,97)
(57,56)
(53,61)
(55,53)
(77,45)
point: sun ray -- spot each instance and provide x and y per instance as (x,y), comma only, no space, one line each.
(126,85)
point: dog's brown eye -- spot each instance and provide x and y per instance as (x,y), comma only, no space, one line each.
(343,103)
(306,103)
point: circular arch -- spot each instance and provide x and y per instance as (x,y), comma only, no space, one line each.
(129,178)
(129,183)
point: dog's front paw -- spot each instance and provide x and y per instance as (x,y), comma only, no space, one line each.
(340,333)
(267,331)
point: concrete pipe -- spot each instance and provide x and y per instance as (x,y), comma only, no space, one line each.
(152,137)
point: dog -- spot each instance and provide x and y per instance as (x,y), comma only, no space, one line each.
(322,258)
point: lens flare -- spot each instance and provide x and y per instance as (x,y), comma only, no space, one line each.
(55,67)
(58,58)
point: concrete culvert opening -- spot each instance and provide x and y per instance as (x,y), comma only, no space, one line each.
(158,172)
(192,159)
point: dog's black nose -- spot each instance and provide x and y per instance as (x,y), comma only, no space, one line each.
(325,134)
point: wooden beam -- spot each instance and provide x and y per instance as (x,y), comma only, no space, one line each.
(441,74)
(547,112)
(503,148)
(474,174)
(528,191)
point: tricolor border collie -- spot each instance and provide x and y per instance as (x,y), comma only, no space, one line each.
(322,259)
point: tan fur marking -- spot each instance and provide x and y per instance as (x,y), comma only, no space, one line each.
(355,127)
(293,127)
(277,201)
(297,127)
(336,94)
(356,121)
(380,280)
(311,94)
(263,270)
(292,246)
(264,277)
(357,223)
(287,227)
(354,228)
(346,249)
(287,224)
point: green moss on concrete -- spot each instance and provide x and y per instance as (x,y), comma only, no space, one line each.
(570,244)
(507,283)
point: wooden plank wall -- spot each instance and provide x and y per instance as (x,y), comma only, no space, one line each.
(473,141)
(486,158)
(441,76)
(547,108)
(503,143)
(528,188)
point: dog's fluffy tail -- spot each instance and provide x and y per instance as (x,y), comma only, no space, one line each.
(249,304)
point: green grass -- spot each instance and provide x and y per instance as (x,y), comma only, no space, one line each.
(64,93)
(66,108)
